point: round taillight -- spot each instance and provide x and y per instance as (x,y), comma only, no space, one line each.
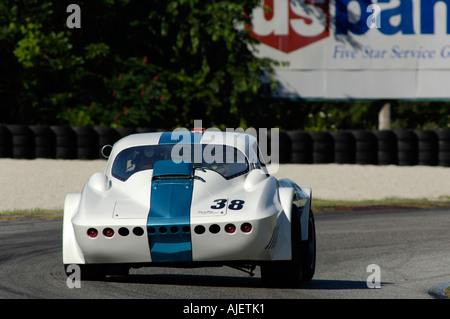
(92,232)
(108,232)
(246,227)
(230,228)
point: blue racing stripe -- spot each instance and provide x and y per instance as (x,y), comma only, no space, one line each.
(168,222)
(183,137)
(166,138)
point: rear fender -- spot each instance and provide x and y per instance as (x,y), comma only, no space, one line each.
(284,248)
(300,197)
(72,253)
(286,198)
(305,195)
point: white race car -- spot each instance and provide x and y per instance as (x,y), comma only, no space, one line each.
(190,199)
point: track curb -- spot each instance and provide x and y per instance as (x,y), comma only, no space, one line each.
(438,291)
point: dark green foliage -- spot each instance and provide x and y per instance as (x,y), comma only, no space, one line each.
(132,63)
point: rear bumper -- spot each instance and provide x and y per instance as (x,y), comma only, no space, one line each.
(130,243)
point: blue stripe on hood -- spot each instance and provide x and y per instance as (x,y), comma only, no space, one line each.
(183,137)
(168,222)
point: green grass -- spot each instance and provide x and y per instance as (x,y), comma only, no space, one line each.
(388,201)
(447,292)
(31,212)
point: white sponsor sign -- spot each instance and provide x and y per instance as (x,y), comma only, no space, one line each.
(369,49)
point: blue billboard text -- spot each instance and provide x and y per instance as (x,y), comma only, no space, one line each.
(345,19)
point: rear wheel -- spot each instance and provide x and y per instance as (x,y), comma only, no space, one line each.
(301,267)
(309,251)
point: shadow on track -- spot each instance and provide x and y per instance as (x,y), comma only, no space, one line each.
(231,281)
(189,280)
(323,284)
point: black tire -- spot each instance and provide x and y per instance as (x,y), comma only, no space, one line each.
(44,142)
(444,147)
(428,147)
(301,146)
(291,273)
(5,142)
(323,147)
(387,147)
(407,147)
(22,141)
(309,251)
(366,147)
(87,142)
(106,136)
(66,142)
(125,131)
(344,147)
(284,147)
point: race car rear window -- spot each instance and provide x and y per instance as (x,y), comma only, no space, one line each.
(225,160)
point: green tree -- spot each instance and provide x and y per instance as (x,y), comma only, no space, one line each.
(132,63)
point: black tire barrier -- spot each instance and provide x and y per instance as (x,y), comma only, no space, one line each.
(390,147)
(427,147)
(22,141)
(386,147)
(407,147)
(284,147)
(65,142)
(366,147)
(87,142)
(322,147)
(106,136)
(344,147)
(5,142)
(301,147)
(444,147)
(125,131)
(44,142)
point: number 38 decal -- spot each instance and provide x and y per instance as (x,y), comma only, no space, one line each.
(236,204)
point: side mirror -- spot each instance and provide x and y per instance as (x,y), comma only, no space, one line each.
(106,151)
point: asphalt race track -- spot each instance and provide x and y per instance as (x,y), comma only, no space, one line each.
(410,247)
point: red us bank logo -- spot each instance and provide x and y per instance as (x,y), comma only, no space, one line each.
(288,25)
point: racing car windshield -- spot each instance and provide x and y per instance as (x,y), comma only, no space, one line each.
(223,159)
